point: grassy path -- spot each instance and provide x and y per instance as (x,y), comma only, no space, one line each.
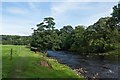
(18,68)
(26,64)
(15,73)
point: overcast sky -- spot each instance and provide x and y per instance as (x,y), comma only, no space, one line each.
(19,17)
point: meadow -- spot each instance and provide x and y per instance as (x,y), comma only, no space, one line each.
(26,64)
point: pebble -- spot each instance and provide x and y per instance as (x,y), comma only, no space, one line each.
(93,77)
(110,71)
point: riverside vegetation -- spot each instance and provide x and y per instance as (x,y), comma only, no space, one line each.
(26,64)
(101,38)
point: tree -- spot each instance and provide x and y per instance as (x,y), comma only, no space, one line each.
(45,37)
(116,15)
(102,35)
(50,22)
(116,12)
(97,38)
(15,40)
(65,36)
(78,39)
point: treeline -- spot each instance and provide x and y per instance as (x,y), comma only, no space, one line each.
(100,37)
(97,38)
(15,40)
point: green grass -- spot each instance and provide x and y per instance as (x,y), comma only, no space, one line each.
(26,64)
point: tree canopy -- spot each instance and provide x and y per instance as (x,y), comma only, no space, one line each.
(100,37)
(97,38)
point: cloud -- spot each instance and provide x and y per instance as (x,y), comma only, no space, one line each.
(60,0)
(12,25)
(33,5)
(61,11)
(87,13)
(0,17)
(16,29)
(92,0)
(101,12)
(62,7)
(16,10)
(73,13)
(94,18)
(35,9)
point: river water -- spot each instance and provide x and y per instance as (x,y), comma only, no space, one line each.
(99,66)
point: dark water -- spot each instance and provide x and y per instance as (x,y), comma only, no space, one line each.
(103,66)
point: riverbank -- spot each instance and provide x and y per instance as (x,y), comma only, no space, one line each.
(94,66)
(114,53)
(27,64)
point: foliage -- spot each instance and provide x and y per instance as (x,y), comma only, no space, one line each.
(15,40)
(45,36)
(116,12)
(100,37)
(78,39)
(65,36)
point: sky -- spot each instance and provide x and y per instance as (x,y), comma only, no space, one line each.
(19,17)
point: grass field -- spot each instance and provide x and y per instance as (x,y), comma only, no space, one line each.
(26,64)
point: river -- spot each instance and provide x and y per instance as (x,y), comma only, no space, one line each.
(93,66)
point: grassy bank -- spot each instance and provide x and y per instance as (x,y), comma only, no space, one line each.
(26,64)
